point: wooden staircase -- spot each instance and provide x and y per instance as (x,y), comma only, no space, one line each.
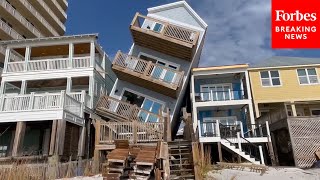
(181,160)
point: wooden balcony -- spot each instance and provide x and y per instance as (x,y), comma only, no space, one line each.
(148,74)
(121,111)
(164,37)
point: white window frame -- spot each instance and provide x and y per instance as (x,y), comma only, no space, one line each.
(270,78)
(143,95)
(160,59)
(167,64)
(307,76)
(215,86)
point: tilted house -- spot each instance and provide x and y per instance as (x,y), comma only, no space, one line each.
(49,89)
(285,92)
(153,76)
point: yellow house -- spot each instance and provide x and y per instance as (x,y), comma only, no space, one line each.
(286,93)
(286,80)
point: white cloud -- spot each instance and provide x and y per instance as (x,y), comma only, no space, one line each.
(238,30)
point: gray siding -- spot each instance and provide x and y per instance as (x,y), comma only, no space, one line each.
(179,14)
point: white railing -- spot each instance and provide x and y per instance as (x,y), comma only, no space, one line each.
(154,72)
(39,17)
(81,62)
(132,131)
(73,106)
(45,101)
(167,29)
(20,18)
(126,110)
(49,64)
(15,66)
(5,27)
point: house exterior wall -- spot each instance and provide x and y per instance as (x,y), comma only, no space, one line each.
(290,89)
(179,14)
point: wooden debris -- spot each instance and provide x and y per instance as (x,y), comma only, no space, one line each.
(253,167)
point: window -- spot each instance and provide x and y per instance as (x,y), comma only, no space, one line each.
(157,27)
(216,92)
(270,78)
(315,112)
(307,76)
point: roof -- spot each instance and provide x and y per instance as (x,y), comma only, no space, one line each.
(212,68)
(179,4)
(282,61)
(17,41)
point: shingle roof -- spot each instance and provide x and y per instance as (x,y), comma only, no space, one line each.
(278,61)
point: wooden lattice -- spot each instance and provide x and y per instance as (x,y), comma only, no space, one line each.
(305,139)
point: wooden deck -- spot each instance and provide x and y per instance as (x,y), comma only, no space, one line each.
(148,74)
(171,39)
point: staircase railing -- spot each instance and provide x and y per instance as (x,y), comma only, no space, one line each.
(251,149)
(229,133)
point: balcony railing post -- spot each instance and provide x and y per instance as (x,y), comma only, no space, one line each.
(135,135)
(62,98)
(83,96)
(268,129)
(31,102)
(241,128)
(200,129)
(218,128)
(2,101)
(239,141)
(145,73)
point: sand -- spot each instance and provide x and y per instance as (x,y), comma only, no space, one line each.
(271,174)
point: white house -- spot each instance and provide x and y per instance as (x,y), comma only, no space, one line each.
(48,91)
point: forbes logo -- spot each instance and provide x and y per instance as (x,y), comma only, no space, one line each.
(281,15)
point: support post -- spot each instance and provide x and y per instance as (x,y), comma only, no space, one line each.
(218,128)
(69,85)
(220,152)
(23,87)
(60,137)
(27,58)
(199,128)
(46,142)
(92,54)
(53,136)
(270,146)
(18,138)
(261,155)
(241,129)
(81,143)
(71,49)
(96,155)
(6,60)
(294,110)
(239,141)
(202,152)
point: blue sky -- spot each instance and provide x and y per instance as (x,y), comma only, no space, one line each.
(238,30)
